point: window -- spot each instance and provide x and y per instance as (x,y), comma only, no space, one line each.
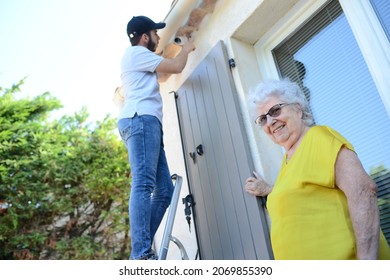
(382,9)
(324,58)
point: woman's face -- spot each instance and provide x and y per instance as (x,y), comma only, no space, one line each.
(285,129)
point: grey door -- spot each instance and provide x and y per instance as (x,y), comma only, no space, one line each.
(229,223)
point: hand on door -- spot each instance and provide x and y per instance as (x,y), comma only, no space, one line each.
(257,186)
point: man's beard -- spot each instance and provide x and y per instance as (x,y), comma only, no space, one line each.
(152,46)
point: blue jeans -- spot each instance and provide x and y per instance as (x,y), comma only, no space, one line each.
(152,186)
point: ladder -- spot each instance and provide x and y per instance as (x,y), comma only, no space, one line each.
(167,236)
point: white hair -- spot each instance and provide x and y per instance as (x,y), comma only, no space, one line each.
(286,91)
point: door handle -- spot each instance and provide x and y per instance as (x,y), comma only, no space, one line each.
(199,150)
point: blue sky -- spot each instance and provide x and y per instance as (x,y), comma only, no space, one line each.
(71,48)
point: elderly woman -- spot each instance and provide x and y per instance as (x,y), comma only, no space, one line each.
(323,204)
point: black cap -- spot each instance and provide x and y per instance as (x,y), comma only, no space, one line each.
(141,24)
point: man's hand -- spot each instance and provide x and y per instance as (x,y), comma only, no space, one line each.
(188,46)
(176,65)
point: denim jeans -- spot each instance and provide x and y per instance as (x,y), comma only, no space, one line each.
(152,187)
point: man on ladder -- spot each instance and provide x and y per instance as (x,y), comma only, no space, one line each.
(140,126)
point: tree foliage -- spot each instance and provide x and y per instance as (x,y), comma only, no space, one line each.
(64,184)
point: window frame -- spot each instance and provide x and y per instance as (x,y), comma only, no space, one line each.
(366,27)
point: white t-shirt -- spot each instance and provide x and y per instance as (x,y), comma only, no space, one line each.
(140,84)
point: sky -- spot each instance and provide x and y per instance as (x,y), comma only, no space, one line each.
(70,48)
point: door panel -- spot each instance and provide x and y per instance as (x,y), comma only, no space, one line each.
(230,224)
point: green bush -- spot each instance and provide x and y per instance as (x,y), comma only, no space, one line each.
(64,183)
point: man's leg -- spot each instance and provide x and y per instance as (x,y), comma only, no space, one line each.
(142,139)
(162,194)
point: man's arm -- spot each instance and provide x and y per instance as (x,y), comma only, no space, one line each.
(176,65)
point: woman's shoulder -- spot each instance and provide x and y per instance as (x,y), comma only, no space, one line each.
(326,130)
(329,134)
(323,129)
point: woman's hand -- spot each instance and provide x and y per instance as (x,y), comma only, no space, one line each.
(257,186)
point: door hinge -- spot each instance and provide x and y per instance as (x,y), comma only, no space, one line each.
(232,63)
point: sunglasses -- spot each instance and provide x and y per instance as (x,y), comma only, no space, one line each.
(274,112)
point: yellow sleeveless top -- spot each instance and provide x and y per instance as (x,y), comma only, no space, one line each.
(309,213)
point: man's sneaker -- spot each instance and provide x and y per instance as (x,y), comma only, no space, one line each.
(149,257)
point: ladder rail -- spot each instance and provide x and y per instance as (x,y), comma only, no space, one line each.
(167,236)
(183,251)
